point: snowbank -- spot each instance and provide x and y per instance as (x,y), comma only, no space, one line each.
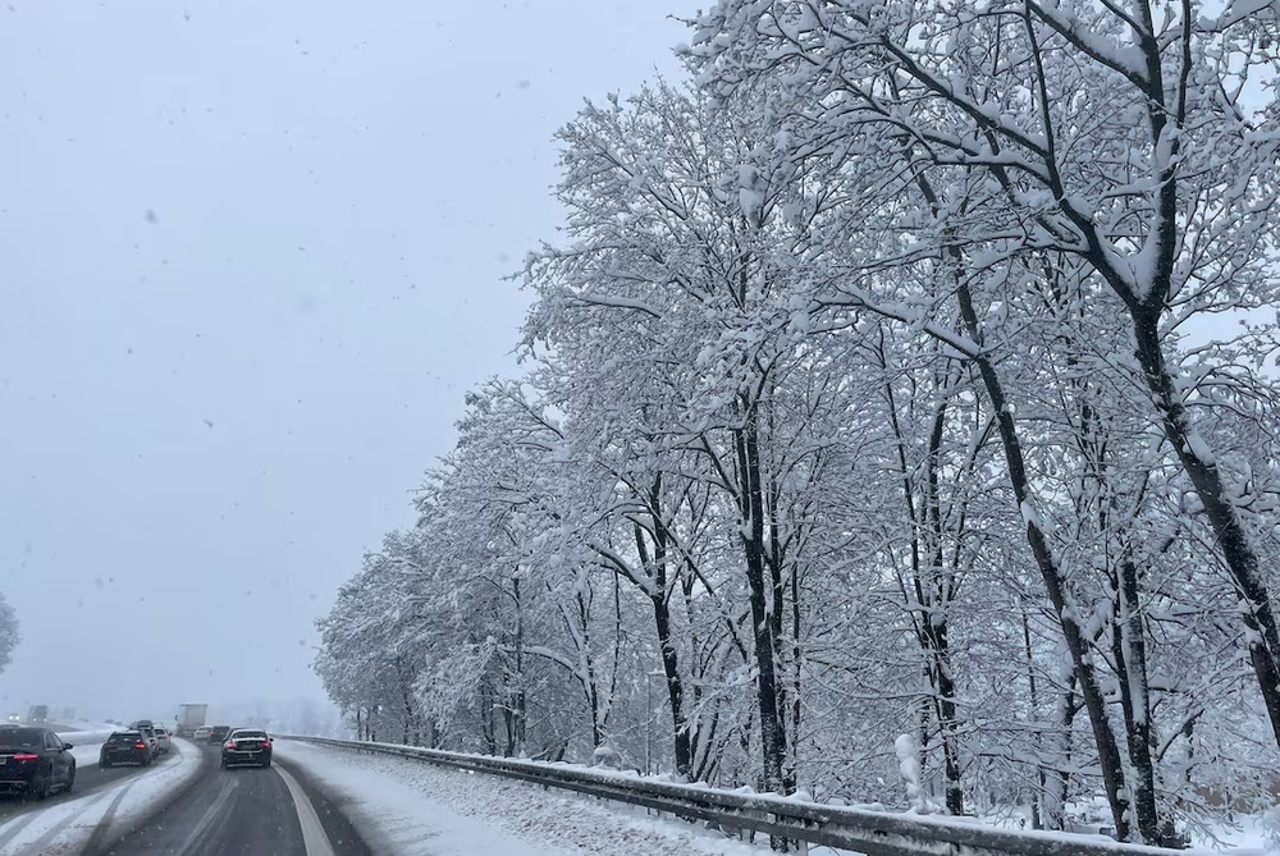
(477,815)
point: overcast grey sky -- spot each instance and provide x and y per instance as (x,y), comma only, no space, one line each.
(251,257)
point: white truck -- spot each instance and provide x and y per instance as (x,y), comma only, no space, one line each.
(190,717)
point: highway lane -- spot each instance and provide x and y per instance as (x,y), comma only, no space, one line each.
(243,812)
(89,778)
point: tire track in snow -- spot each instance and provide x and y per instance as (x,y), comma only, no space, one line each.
(14,829)
(100,831)
(211,814)
(10,830)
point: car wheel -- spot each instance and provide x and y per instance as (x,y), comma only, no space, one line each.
(266,764)
(71,780)
(40,787)
(106,765)
(224,763)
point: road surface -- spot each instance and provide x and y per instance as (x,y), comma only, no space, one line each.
(277,811)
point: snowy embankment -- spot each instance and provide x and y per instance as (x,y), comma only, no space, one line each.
(86,739)
(64,825)
(478,815)
(482,815)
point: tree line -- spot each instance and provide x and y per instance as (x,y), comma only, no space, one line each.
(900,400)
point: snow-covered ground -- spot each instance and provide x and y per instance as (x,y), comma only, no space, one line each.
(1248,837)
(85,745)
(478,815)
(62,827)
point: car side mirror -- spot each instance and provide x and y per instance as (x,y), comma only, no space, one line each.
(67,746)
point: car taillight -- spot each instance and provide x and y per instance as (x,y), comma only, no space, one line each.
(266,744)
(231,744)
(139,746)
(26,756)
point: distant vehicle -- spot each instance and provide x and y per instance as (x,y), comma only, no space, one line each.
(247,746)
(125,747)
(163,745)
(190,717)
(38,714)
(142,723)
(35,762)
(149,734)
(201,733)
(218,733)
(15,717)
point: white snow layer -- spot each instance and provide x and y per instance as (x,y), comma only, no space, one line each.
(478,815)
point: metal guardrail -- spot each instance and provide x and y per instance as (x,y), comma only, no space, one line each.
(874,833)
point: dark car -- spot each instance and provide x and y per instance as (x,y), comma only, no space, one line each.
(218,733)
(35,762)
(125,747)
(247,746)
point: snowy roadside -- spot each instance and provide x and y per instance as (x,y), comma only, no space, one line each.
(64,826)
(86,741)
(478,815)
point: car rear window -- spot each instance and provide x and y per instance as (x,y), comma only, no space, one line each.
(125,737)
(250,735)
(21,737)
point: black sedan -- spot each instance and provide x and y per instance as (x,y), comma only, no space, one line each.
(125,747)
(247,746)
(35,762)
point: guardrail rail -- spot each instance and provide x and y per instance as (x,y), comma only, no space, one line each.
(874,833)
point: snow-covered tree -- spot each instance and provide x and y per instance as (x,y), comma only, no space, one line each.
(9,637)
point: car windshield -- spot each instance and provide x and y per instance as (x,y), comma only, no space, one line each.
(21,737)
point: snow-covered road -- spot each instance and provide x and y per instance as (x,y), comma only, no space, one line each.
(104,804)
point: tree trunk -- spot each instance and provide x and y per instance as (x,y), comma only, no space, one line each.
(936,628)
(1037,819)
(1109,757)
(488,728)
(932,591)
(1233,539)
(514,702)
(659,597)
(1056,800)
(1130,652)
(773,739)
